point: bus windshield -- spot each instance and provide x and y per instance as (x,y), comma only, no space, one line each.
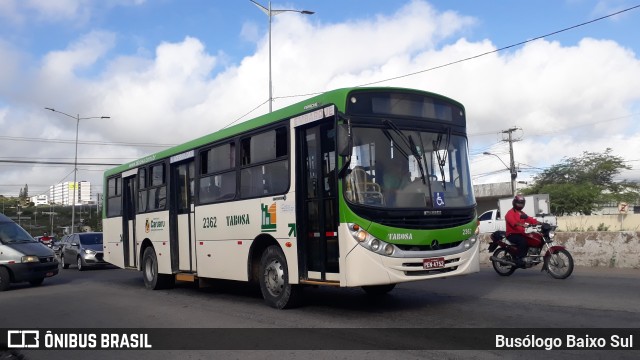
(393,167)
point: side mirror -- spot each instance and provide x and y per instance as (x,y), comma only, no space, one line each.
(344,140)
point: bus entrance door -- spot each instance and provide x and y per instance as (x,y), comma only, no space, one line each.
(182,216)
(317,202)
(129,221)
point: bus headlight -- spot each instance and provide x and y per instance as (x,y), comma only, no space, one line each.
(361,235)
(371,242)
(470,242)
(375,245)
(388,249)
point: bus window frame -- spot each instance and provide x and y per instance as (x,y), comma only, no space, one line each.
(144,192)
(232,169)
(285,125)
(111,197)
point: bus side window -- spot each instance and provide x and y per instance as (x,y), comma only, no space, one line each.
(157,195)
(266,164)
(142,190)
(114,197)
(218,175)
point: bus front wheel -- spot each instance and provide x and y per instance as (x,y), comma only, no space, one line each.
(274,280)
(153,280)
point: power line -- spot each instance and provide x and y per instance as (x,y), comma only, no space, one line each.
(64,141)
(55,162)
(505,47)
(483,54)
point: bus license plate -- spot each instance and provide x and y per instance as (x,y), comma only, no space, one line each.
(433,263)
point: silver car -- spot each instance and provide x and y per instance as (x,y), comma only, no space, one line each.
(82,249)
(22,258)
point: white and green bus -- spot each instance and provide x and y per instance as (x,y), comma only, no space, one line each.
(357,187)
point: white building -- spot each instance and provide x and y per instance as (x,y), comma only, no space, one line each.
(39,200)
(62,194)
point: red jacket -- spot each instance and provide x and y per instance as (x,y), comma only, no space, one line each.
(515,224)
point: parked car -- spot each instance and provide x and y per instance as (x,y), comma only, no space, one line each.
(22,258)
(82,249)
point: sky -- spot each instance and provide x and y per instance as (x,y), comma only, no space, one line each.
(168,71)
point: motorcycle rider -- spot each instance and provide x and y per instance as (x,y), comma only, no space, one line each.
(516,223)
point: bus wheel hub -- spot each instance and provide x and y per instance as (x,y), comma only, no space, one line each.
(274,277)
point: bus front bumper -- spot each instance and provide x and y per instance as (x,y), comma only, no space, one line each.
(364,267)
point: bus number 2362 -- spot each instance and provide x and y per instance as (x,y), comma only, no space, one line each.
(209,222)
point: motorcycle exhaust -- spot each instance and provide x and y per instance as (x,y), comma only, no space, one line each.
(502,261)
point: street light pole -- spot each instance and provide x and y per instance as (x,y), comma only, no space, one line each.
(75,161)
(270,12)
(512,171)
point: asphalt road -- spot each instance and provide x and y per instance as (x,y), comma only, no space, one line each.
(114,298)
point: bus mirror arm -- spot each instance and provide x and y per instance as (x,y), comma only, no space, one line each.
(344,139)
(345,166)
(344,143)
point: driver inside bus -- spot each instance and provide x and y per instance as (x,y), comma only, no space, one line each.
(395,177)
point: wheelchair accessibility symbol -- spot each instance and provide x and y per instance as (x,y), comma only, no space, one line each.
(438,199)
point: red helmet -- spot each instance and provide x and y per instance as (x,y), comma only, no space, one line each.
(518,202)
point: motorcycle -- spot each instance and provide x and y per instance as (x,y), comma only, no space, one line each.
(556,260)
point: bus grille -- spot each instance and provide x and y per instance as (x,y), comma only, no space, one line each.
(428,247)
(429,222)
(416,219)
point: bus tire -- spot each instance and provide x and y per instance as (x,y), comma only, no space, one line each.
(274,280)
(153,280)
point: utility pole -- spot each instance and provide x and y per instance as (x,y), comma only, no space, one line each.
(512,164)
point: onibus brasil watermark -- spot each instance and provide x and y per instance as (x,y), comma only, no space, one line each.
(37,339)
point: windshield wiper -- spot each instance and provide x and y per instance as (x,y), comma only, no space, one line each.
(442,159)
(408,142)
(418,157)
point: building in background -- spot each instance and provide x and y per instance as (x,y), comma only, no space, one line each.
(62,194)
(39,200)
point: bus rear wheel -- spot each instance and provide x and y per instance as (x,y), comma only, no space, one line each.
(153,280)
(274,280)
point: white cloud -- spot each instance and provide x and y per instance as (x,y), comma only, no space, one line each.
(181,91)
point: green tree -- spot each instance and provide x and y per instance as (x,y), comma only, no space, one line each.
(582,184)
(23,197)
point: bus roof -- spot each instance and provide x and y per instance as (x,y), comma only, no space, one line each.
(336,97)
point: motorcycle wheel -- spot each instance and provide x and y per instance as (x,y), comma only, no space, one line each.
(501,269)
(559,264)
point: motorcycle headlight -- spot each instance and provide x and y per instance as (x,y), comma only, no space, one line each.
(552,234)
